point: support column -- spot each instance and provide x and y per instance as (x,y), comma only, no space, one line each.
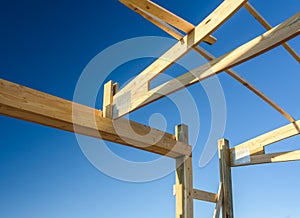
(184,178)
(110,89)
(225,178)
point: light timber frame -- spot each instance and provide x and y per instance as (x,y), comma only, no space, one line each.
(31,105)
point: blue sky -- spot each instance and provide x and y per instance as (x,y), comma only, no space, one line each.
(47,45)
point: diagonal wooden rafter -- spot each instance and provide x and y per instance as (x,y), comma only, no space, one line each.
(139,86)
(31,105)
(177,35)
(272,38)
(267,26)
(162,17)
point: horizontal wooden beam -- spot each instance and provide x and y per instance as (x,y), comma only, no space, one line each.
(163,18)
(27,104)
(205,196)
(139,86)
(253,48)
(257,144)
(267,26)
(269,158)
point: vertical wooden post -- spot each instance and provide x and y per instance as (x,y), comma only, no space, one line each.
(110,89)
(225,178)
(184,178)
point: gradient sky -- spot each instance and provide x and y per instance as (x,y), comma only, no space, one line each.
(47,45)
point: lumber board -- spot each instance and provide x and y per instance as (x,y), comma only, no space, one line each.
(205,196)
(163,18)
(270,158)
(219,202)
(267,26)
(257,144)
(210,57)
(139,86)
(184,178)
(31,105)
(263,43)
(225,177)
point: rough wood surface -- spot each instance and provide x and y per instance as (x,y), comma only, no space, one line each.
(27,104)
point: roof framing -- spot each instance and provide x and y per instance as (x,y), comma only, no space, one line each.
(139,86)
(139,94)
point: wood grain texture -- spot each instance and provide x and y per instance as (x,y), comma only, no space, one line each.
(184,178)
(257,144)
(139,87)
(225,177)
(27,104)
(204,196)
(163,18)
(270,158)
(251,49)
(267,26)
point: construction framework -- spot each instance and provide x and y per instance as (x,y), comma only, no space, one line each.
(31,105)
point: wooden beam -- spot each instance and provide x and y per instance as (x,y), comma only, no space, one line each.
(267,26)
(269,158)
(251,49)
(257,144)
(204,196)
(107,99)
(219,202)
(163,18)
(225,177)
(27,104)
(139,86)
(232,73)
(184,178)
(248,85)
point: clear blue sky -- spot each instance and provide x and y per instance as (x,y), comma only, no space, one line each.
(46,46)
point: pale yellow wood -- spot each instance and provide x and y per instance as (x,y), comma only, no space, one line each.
(204,196)
(257,144)
(225,177)
(139,86)
(163,23)
(27,104)
(219,202)
(270,158)
(161,13)
(210,57)
(184,178)
(107,99)
(253,48)
(267,26)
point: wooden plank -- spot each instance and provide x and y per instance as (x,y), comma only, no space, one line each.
(219,202)
(270,158)
(161,13)
(107,99)
(267,26)
(248,85)
(251,49)
(163,23)
(204,196)
(232,73)
(257,144)
(27,104)
(139,86)
(184,178)
(225,177)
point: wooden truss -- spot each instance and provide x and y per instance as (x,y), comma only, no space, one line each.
(27,104)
